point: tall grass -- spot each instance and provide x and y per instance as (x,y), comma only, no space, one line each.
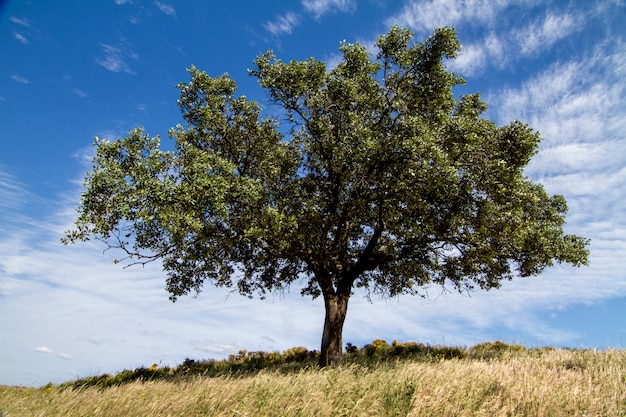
(513,382)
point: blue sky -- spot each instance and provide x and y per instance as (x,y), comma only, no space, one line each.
(72,69)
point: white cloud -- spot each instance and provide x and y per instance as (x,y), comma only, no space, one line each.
(504,44)
(599,185)
(80,93)
(12,192)
(497,49)
(572,102)
(573,157)
(333,60)
(64,356)
(320,7)
(43,349)
(21,22)
(471,60)
(166,8)
(510,46)
(539,36)
(283,24)
(20,38)
(579,107)
(116,58)
(20,79)
(425,16)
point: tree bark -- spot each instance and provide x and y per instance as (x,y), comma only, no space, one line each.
(336,306)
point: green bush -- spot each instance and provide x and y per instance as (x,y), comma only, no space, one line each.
(446,352)
(297,354)
(296,358)
(351,349)
(378,349)
(408,349)
(491,350)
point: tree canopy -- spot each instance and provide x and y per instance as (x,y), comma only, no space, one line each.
(373,175)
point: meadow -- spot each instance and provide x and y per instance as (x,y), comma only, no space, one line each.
(401,379)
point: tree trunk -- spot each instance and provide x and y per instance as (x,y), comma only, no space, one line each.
(332,345)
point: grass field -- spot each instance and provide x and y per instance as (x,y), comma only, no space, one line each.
(525,382)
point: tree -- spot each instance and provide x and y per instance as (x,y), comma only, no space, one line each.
(374,177)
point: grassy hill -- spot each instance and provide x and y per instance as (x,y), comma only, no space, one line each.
(402,379)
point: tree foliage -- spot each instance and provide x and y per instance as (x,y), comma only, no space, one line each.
(373,176)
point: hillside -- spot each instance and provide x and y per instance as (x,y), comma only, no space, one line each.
(491,379)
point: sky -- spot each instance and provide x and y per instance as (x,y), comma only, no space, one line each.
(71,70)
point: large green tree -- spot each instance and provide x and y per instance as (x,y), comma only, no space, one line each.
(372,175)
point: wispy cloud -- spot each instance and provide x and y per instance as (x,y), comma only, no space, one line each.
(541,35)
(12,192)
(20,79)
(320,7)
(573,101)
(283,24)
(579,107)
(116,58)
(472,60)
(65,356)
(511,45)
(20,38)
(22,22)
(166,8)
(286,24)
(424,16)
(499,51)
(79,93)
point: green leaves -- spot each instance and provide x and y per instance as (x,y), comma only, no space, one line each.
(378,177)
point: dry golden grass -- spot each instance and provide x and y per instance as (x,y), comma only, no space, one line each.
(528,383)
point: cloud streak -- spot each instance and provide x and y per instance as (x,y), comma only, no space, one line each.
(541,35)
(20,79)
(116,59)
(166,8)
(21,21)
(511,44)
(20,38)
(318,8)
(283,24)
(12,192)
(425,16)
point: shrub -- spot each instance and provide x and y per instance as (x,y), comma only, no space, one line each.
(377,349)
(297,358)
(297,354)
(350,348)
(490,350)
(446,352)
(408,349)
